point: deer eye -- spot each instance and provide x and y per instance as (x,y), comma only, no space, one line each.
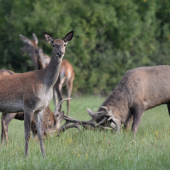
(64,44)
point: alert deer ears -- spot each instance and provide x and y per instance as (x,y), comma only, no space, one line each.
(35,38)
(25,40)
(48,38)
(68,37)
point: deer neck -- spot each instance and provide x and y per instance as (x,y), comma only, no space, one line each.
(34,58)
(39,64)
(52,70)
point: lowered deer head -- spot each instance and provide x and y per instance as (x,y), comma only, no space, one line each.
(51,121)
(107,120)
(103,116)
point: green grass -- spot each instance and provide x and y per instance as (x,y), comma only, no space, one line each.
(91,149)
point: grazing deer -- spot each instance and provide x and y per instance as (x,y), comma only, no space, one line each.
(139,90)
(31,92)
(41,61)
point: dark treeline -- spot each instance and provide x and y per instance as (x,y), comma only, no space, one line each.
(111,36)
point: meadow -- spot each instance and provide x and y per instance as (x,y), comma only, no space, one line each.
(93,149)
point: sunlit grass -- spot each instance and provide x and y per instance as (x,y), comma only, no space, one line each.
(93,150)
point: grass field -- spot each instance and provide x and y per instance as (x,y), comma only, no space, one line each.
(93,149)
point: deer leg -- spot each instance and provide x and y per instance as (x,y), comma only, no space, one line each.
(40,129)
(2,128)
(5,120)
(128,122)
(69,85)
(137,113)
(28,114)
(168,105)
(55,95)
(58,88)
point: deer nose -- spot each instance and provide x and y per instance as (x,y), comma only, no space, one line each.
(60,54)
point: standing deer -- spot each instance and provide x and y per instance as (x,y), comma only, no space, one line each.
(31,92)
(139,90)
(51,121)
(41,61)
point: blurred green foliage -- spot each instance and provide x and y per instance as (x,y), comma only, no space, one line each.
(110,37)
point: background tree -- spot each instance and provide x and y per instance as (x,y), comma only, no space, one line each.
(111,37)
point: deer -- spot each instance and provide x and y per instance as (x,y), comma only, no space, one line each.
(41,61)
(51,121)
(139,90)
(31,92)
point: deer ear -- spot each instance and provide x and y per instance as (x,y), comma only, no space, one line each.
(25,40)
(35,38)
(48,38)
(69,36)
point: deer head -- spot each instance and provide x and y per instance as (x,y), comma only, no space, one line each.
(108,118)
(59,44)
(30,48)
(105,116)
